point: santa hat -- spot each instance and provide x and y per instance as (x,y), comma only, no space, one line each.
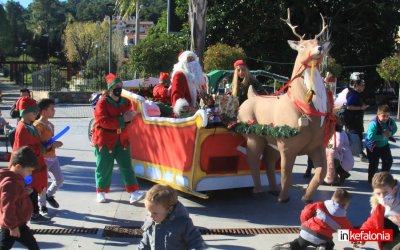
(111,80)
(238,63)
(185,54)
(26,105)
(164,78)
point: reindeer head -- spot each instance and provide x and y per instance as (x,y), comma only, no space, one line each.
(308,50)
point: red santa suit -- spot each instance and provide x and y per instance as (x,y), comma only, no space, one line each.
(187,82)
(180,88)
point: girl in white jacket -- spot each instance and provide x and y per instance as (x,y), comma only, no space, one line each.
(339,157)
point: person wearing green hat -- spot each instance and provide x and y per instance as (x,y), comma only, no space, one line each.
(113,115)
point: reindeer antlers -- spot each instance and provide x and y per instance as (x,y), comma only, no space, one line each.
(323,27)
(291,26)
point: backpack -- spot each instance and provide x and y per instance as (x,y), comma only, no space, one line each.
(372,144)
(14,113)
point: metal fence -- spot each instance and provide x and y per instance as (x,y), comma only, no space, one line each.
(52,78)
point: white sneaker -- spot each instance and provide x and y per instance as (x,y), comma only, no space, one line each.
(136,196)
(101,197)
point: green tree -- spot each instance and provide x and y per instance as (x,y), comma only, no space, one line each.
(222,56)
(92,10)
(256,27)
(152,9)
(80,41)
(5,38)
(334,67)
(389,68)
(362,32)
(47,23)
(157,52)
(197,20)
(17,17)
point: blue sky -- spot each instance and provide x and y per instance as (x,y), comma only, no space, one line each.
(24,3)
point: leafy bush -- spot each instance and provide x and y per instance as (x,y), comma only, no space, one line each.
(389,68)
(333,67)
(222,56)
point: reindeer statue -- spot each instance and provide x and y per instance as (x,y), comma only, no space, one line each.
(306,106)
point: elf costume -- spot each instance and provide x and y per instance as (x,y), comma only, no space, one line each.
(27,135)
(111,140)
(161,92)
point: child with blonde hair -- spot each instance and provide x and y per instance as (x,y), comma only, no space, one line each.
(385,203)
(170,219)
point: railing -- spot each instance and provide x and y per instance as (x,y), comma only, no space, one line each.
(51,78)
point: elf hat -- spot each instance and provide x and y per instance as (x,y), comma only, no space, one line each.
(238,63)
(164,78)
(111,80)
(26,105)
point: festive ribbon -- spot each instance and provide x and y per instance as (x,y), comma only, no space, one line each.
(303,66)
(307,109)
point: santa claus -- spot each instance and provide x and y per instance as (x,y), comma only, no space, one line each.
(187,80)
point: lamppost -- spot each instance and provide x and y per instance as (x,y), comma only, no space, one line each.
(48,46)
(23,47)
(48,60)
(137,29)
(110,7)
(97,62)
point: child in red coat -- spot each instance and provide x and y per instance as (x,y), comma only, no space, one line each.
(319,221)
(27,135)
(15,205)
(385,203)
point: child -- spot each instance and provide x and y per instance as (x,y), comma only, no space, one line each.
(380,131)
(339,157)
(46,132)
(170,219)
(319,221)
(15,205)
(27,135)
(385,203)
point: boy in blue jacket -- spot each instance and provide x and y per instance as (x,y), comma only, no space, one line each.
(168,225)
(380,131)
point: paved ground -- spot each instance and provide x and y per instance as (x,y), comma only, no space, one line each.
(225,209)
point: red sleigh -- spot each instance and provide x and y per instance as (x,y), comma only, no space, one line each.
(186,155)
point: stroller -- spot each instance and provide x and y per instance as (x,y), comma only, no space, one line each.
(7,134)
(94,98)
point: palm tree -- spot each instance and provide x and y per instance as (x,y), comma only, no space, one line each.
(197,21)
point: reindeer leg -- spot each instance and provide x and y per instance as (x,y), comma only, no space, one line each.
(255,147)
(287,161)
(318,157)
(270,157)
